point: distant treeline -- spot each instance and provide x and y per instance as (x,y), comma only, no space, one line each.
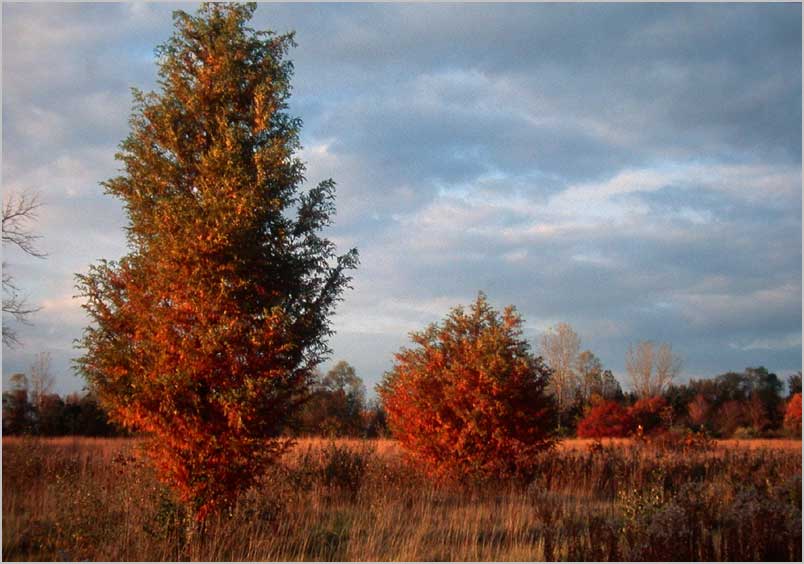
(336,406)
(50,415)
(752,403)
(748,404)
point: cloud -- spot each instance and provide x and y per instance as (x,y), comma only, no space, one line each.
(632,169)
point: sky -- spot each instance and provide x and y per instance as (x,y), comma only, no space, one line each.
(631,169)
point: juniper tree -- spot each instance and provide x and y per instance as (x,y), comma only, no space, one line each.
(469,399)
(204,335)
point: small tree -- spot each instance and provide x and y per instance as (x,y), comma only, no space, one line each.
(648,414)
(605,419)
(699,410)
(469,399)
(336,404)
(205,334)
(651,368)
(17,409)
(794,384)
(730,416)
(792,415)
(559,347)
(590,374)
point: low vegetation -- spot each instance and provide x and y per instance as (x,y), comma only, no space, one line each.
(93,499)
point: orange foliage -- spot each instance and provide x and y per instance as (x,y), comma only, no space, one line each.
(606,419)
(204,336)
(468,401)
(647,413)
(792,416)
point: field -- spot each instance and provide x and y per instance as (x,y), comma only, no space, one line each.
(92,499)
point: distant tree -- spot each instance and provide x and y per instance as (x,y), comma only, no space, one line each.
(349,398)
(17,409)
(41,379)
(651,368)
(206,333)
(590,374)
(610,388)
(648,414)
(794,384)
(50,416)
(730,416)
(468,400)
(792,416)
(19,210)
(766,387)
(375,420)
(605,419)
(559,347)
(336,404)
(699,410)
(757,413)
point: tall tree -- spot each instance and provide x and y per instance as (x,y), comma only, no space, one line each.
(651,368)
(19,210)
(559,347)
(205,334)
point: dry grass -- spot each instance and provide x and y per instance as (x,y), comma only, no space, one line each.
(69,499)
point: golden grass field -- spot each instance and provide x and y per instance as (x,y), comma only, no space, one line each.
(92,499)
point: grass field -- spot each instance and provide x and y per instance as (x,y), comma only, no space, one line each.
(92,499)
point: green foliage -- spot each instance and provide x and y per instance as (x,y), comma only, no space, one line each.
(336,406)
(206,333)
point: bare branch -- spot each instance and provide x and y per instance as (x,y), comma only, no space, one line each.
(18,211)
(651,369)
(559,347)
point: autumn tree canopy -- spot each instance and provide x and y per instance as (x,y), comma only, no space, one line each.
(468,399)
(207,330)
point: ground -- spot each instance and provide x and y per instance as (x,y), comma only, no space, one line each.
(93,499)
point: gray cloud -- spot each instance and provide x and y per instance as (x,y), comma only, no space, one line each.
(632,169)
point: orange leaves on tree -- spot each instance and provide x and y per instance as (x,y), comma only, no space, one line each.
(605,419)
(648,414)
(468,400)
(792,415)
(204,336)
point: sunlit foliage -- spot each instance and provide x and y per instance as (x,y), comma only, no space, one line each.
(649,414)
(205,333)
(468,399)
(605,419)
(792,416)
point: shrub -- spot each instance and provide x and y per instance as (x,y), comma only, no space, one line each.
(647,414)
(605,419)
(792,415)
(469,400)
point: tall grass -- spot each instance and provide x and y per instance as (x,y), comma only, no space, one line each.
(85,499)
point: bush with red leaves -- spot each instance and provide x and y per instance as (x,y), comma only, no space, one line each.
(606,419)
(647,414)
(792,416)
(469,401)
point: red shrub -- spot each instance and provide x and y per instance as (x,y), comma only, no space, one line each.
(647,413)
(606,419)
(792,416)
(468,401)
